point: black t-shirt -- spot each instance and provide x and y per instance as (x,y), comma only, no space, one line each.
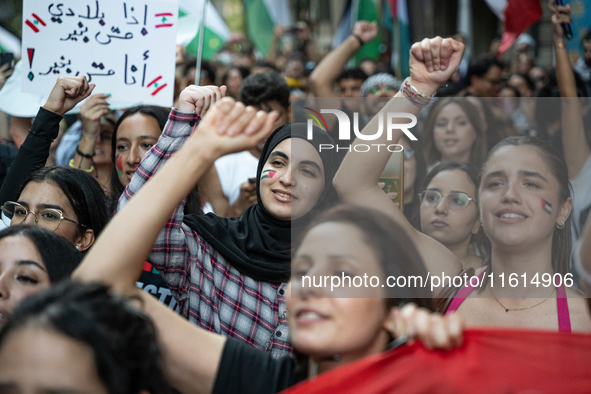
(245,369)
(152,283)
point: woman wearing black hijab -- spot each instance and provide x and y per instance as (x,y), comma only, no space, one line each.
(229,274)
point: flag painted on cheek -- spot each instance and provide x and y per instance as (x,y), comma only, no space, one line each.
(547,207)
(119,165)
(268,174)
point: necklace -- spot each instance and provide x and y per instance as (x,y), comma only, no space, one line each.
(520,309)
(282,317)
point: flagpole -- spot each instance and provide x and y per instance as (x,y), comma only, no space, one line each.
(200,46)
(354,19)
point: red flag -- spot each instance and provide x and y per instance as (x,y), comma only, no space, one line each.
(489,361)
(519,16)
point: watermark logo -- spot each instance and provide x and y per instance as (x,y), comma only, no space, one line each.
(315,115)
(390,119)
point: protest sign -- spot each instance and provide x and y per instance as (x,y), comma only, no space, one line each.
(126,48)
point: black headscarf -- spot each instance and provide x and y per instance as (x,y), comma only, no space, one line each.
(258,244)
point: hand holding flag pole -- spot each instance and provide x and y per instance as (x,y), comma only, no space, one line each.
(200,46)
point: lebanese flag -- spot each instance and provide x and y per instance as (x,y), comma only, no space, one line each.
(518,16)
(489,361)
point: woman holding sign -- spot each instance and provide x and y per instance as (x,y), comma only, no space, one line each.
(524,205)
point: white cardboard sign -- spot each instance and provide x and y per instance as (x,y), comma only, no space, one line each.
(127,48)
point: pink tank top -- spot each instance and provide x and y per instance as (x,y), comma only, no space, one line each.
(561,303)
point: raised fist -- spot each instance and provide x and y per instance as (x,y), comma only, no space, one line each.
(66,93)
(433,61)
(199,99)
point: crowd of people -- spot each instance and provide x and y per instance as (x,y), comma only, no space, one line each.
(160,249)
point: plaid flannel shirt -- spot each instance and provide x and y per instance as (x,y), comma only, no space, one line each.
(210,292)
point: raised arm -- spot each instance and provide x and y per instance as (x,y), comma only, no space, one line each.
(118,255)
(169,250)
(34,152)
(143,216)
(576,149)
(325,74)
(432,62)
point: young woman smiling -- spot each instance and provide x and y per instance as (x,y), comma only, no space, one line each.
(524,207)
(229,275)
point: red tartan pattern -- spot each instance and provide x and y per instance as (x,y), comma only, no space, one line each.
(210,292)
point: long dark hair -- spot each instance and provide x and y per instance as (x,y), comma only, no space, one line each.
(122,339)
(478,151)
(412,215)
(561,239)
(59,256)
(84,193)
(193,203)
(158,113)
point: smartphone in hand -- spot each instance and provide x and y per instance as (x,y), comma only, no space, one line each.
(7,57)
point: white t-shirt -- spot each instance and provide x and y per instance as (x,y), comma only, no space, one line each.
(233,170)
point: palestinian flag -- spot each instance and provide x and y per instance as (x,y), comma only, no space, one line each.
(518,16)
(216,32)
(261,16)
(359,10)
(268,174)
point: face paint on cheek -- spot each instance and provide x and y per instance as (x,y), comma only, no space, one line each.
(547,207)
(119,164)
(268,174)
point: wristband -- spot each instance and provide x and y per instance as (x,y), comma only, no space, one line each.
(361,42)
(78,151)
(71,165)
(417,98)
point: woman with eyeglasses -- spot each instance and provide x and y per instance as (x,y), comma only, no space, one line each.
(33,154)
(65,200)
(525,204)
(454,132)
(448,209)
